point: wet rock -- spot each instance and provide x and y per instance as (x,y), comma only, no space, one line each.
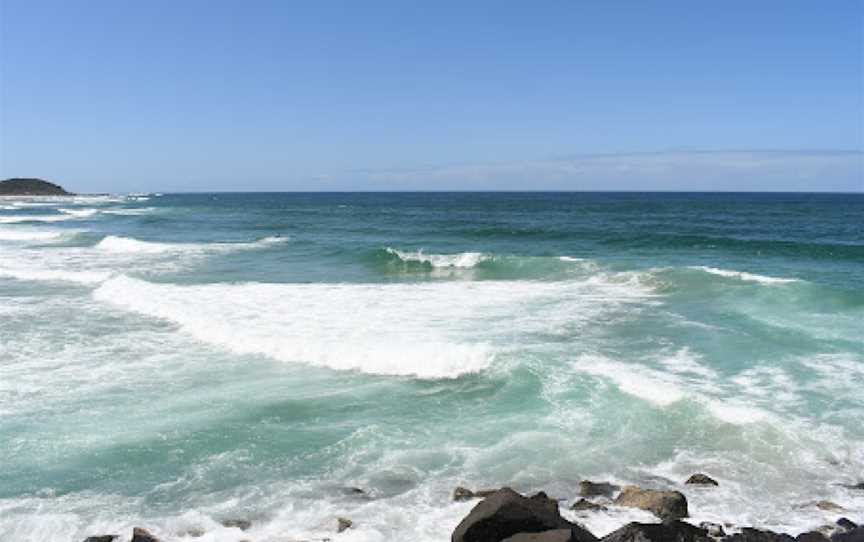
(102,538)
(143,535)
(812,536)
(587,488)
(343,524)
(855,534)
(506,513)
(668,531)
(846,523)
(829,506)
(557,535)
(585,504)
(701,479)
(242,524)
(465,494)
(663,504)
(713,529)
(755,535)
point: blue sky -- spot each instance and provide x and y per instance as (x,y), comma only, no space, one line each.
(268,95)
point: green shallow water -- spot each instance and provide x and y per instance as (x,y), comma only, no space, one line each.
(175,360)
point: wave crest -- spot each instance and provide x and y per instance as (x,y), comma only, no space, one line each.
(462,260)
(742,275)
(113,243)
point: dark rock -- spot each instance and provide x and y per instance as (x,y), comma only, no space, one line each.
(462,494)
(102,538)
(587,488)
(30,187)
(812,536)
(668,531)
(465,494)
(702,479)
(506,513)
(343,524)
(855,534)
(663,504)
(713,529)
(142,535)
(846,523)
(755,535)
(585,504)
(557,535)
(242,524)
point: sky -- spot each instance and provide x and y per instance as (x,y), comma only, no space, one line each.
(194,95)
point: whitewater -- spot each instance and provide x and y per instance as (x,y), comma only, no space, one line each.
(176,360)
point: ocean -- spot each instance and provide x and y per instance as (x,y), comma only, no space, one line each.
(171,361)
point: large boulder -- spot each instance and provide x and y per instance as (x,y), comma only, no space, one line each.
(668,531)
(143,535)
(506,513)
(587,488)
(557,535)
(663,504)
(748,534)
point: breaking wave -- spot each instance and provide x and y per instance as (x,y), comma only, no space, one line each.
(7,235)
(129,212)
(34,218)
(113,243)
(741,275)
(55,275)
(427,330)
(462,260)
(79,213)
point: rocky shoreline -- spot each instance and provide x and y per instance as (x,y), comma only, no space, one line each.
(503,515)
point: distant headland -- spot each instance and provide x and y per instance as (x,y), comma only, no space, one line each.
(31,187)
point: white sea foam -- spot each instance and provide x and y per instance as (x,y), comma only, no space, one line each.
(664,388)
(113,243)
(439,330)
(79,213)
(53,275)
(34,218)
(19,204)
(635,380)
(129,212)
(31,235)
(741,275)
(462,260)
(685,361)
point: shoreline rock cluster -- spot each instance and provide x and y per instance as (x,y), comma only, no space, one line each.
(504,515)
(507,516)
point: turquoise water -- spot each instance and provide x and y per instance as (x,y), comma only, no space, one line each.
(171,360)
